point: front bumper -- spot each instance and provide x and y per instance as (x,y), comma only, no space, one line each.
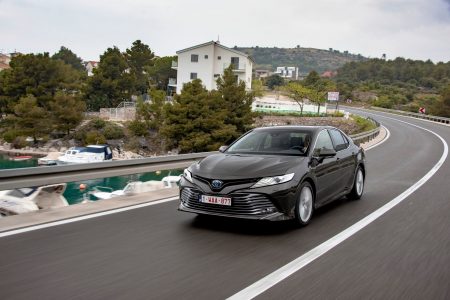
(245,205)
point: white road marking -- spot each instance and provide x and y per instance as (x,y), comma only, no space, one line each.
(81,218)
(282,273)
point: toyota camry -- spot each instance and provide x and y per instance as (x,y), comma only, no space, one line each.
(275,173)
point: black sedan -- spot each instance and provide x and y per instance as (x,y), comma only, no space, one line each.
(275,173)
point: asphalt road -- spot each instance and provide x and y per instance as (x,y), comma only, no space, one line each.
(157,252)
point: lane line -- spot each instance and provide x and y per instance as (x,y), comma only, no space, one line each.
(287,270)
(86,217)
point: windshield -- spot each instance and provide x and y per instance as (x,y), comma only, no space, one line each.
(94,150)
(281,142)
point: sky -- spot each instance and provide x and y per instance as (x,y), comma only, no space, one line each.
(416,29)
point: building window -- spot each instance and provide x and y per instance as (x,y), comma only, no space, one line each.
(193,76)
(194,57)
(206,56)
(219,57)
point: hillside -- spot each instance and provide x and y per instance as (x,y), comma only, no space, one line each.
(307,59)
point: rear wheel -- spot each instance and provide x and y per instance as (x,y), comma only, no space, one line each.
(304,206)
(358,185)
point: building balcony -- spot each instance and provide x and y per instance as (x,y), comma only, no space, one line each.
(239,68)
(172,82)
(174,65)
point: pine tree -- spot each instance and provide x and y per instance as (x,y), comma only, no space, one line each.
(236,100)
(67,111)
(195,122)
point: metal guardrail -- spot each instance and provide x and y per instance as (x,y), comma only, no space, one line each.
(415,115)
(28,177)
(362,137)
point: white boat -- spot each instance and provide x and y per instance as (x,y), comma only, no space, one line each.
(24,200)
(49,160)
(83,155)
(135,187)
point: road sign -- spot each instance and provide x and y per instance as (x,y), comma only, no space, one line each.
(422,110)
(333,96)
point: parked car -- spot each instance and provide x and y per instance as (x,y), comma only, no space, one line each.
(275,173)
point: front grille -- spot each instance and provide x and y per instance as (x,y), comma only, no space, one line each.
(241,204)
(226,183)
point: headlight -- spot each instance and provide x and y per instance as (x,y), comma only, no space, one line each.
(273,180)
(187,175)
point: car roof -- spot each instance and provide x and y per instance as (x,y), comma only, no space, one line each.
(299,127)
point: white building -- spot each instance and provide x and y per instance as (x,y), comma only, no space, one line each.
(287,72)
(90,66)
(207,62)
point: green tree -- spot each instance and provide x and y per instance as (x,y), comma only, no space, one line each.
(236,100)
(151,113)
(312,79)
(161,71)
(67,111)
(257,88)
(139,57)
(273,81)
(299,93)
(111,83)
(37,75)
(319,87)
(195,121)
(70,58)
(29,119)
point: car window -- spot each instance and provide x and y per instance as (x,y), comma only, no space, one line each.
(338,140)
(323,142)
(273,141)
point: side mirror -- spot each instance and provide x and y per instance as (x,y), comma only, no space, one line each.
(327,152)
(223,148)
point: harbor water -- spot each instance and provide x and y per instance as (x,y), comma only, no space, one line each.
(73,192)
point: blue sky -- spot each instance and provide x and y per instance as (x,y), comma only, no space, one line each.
(417,29)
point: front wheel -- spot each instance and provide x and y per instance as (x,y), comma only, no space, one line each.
(304,206)
(358,185)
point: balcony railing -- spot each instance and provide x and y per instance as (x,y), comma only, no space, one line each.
(172,82)
(174,64)
(236,67)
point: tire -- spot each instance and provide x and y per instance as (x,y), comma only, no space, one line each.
(358,185)
(304,206)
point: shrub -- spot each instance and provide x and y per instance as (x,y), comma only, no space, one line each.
(383,101)
(363,123)
(137,128)
(97,123)
(94,137)
(20,142)
(10,135)
(113,131)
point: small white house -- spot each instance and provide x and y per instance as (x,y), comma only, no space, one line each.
(207,62)
(287,72)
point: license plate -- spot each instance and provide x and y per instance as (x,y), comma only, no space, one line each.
(215,200)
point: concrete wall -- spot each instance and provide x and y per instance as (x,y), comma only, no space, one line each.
(118,114)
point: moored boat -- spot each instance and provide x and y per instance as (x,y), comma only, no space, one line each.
(88,154)
(135,187)
(21,157)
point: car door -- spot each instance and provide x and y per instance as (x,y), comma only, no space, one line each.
(345,159)
(326,170)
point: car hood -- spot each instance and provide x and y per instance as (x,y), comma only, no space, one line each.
(234,166)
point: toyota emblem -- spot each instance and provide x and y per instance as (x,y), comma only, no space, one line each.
(216,184)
